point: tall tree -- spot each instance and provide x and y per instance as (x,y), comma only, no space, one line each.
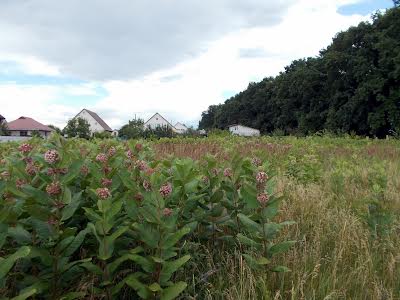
(77,127)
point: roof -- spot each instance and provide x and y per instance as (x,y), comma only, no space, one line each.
(98,119)
(2,118)
(180,125)
(161,117)
(25,123)
(233,125)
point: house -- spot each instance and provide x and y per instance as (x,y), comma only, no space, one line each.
(180,128)
(158,121)
(96,123)
(25,126)
(243,130)
(114,133)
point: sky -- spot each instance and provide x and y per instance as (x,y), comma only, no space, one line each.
(131,58)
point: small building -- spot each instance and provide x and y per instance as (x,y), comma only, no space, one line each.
(114,133)
(242,130)
(180,128)
(25,126)
(96,123)
(158,120)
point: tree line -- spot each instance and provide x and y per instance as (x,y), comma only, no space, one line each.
(352,86)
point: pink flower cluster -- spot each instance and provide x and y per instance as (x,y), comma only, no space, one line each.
(19,183)
(102,157)
(129,154)
(53,188)
(262,198)
(165,190)
(103,193)
(138,147)
(84,170)
(51,156)
(112,151)
(31,169)
(25,148)
(55,171)
(141,165)
(167,212)
(261,177)
(105,182)
(146,185)
(228,172)
(256,162)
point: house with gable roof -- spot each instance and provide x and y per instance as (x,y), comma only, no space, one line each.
(96,123)
(158,120)
(24,126)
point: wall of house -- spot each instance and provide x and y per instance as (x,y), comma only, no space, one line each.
(156,121)
(29,132)
(180,128)
(244,131)
(94,125)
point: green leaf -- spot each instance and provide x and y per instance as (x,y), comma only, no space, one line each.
(280,269)
(7,263)
(140,288)
(155,287)
(249,195)
(250,225)
(73,295)
(172,239)
(280,247)
(248,242)
(170,267)
(69,210)
(173,291)
(73,171)
(76,243)
(20,235)
(26,293)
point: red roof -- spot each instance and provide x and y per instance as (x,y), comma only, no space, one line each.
(25,123)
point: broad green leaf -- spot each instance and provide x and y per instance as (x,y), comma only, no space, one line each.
(155,287)
(140,288)
(280,269)
(173,291)
(20,235)
(171,239)
(69,210)
(7,263)
(170,267)
(248,241)
(250,225)
(76,243)
(26,293)
(280,247)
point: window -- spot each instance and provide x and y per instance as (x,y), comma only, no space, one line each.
(23,133)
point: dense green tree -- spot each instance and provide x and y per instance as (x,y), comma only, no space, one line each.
(77,127)
(352,86)
(4,128)
(133,130)
(55,128)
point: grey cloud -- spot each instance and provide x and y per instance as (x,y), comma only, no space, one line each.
(121,39)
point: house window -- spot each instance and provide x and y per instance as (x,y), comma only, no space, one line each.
(23,133)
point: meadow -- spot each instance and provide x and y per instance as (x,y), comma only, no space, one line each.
(200,218)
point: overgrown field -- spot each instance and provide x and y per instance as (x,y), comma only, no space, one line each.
(206,218)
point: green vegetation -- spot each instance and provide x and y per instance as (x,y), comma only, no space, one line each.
(199,218)
(352,86)
(77,127)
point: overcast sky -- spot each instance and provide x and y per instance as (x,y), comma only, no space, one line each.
(127,58)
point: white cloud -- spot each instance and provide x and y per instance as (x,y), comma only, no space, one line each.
(182,92)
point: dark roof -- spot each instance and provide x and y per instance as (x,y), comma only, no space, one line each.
(2,118)
(98,119)
(25,123)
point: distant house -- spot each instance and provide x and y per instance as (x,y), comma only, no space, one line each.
(96,123)
(180,128)
(243,130)
(25,126)
(114,133)
(158,120)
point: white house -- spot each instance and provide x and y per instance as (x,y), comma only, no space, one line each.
(243,130)
(180,128)
(158,120)
(96,123)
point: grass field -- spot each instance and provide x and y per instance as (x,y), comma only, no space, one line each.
(343,195)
